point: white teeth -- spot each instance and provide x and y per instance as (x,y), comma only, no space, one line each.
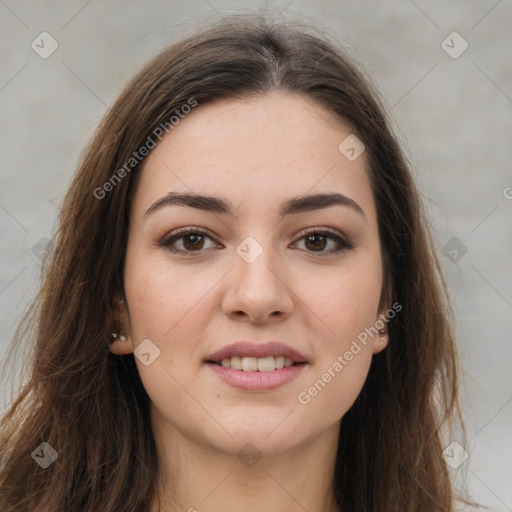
(266,364)
(252,364)
(236,363)
(249,364)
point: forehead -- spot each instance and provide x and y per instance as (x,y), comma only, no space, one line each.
(257,151)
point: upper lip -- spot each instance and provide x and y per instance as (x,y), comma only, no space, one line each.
(249,349)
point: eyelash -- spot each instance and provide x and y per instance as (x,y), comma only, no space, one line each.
(170,238)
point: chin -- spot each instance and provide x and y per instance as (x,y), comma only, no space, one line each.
(252,443)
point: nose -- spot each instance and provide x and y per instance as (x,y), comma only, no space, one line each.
(259,291)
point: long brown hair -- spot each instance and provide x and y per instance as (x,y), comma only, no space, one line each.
(90,405)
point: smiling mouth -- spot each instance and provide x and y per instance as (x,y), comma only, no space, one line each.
(256,364)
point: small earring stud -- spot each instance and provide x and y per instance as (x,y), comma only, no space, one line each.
(122,338)
(382,332)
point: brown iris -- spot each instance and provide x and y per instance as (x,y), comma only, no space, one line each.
(197,242)
(320,245)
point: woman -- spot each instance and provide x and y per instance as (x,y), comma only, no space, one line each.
(243,308)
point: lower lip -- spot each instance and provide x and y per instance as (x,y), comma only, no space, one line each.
(257,381)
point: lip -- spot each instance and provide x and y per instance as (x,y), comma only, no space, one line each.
(249,349)
(257,381)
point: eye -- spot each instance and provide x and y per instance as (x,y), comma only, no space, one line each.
(316,240)
(191,239)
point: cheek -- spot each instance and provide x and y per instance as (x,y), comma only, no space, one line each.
(345,307)
(169,306)
(334,390)
(345,302)
(165,299)
(344,352)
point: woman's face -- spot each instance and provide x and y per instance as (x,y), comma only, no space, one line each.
(255,274)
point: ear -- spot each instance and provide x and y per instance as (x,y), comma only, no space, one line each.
(381,339)
(121,340)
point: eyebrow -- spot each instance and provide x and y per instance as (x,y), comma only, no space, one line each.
(297,204)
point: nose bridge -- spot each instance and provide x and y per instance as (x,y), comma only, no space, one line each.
(256,287)
(257,262)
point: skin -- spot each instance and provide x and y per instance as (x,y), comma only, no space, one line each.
(256,153)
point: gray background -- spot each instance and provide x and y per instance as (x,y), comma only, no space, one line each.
(453,116)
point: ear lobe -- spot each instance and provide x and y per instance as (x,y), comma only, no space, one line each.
(380,342)
(120,345)
(381,339)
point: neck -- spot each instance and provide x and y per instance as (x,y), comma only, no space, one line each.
(193,476)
